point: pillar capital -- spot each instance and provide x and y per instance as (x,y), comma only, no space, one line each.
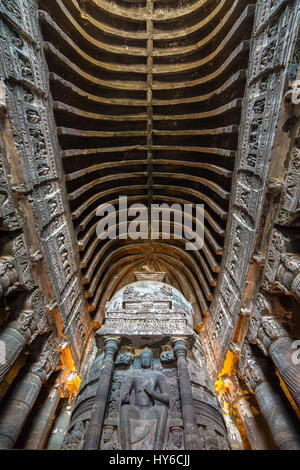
(282,271)
(179,347)
(111,344)
(47,362)
(251,369)
(265,327)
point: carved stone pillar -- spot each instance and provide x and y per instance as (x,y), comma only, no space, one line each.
(270,402)
(8,275)
(93,435)
(42,422)
(281,352)
(274,339)
(255,437)
(24,394)
(61,423)
(15,336)
(19,405)
(191,435)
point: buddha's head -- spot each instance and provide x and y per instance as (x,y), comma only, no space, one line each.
(146,358)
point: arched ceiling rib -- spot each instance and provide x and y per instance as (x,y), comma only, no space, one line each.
(147,97)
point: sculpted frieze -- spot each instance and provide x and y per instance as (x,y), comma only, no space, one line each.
(249,368)
(10,219)
(23,263)
(47,361)
(12,8)
(289,208)
(265,327)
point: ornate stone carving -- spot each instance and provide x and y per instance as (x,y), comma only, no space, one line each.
(8,275)
(264,328)
(48,360)
(149,410)
(29,111)
(75,438)
(282,270)
(256,375)
(147,309)
(250,369)
(289,208)
(12,7)
(293,94)
(126,358)
(274,338)
(22,263)
(10,220)
(175,439)
(272,49)
(109,439)
(144,392)
(36,303)
(167,357)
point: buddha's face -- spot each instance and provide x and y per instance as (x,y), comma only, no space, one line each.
(146,359)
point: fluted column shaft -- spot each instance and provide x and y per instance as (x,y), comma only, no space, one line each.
(42,422)
(14,337)
(13,343)
(191,435)
(17,408)
(281,352)
(272,334)
(93,436)
(281,426)
(256,374)
(255,436)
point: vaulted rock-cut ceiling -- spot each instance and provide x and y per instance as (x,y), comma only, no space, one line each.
(147,97)
(163,102)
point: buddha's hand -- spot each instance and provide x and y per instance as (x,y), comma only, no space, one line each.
(149,388)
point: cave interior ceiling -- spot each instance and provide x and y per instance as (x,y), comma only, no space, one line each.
(147,101)
(175,102)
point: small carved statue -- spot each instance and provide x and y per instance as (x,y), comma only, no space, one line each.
(167,357)
(75,438)
(109,442)
(175,439)
(124,359)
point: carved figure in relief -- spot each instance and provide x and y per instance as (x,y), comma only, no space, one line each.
(146,401)
(175,439)
(109,441)
(75,439)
